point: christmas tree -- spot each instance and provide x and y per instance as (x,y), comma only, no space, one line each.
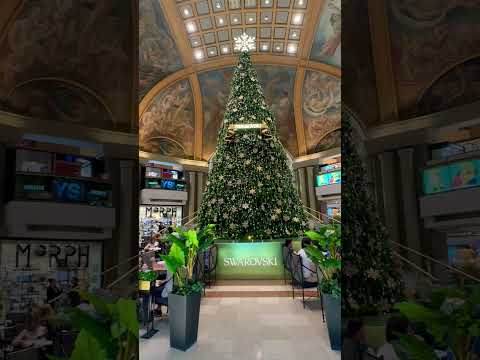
(370,280)
(249,192)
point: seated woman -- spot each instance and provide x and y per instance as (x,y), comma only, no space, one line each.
(34,330)
(309,269)
(161,291)
(397,324)
(153,243)
(354,342)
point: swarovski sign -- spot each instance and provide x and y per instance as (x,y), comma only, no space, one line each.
(253,261)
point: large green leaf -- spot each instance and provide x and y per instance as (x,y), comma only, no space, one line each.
(100,305)
(83,321)
(88,348)
(192,240)
(127,311)
(416,349)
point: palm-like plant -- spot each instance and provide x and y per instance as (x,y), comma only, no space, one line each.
(450,317)
(180,261)
(325,251)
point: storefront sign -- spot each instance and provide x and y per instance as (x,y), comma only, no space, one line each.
(457,175)
(238,261)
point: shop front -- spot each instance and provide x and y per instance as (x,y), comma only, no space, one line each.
(329,188)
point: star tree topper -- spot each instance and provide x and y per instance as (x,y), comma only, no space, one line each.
(244,42)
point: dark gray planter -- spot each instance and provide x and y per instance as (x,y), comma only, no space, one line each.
(183,314)
(333,314)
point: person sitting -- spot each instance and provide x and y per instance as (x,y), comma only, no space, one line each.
(288,244)
(397,324)
(354,342)
(161,291)
(309,269)
(53,291)
(33,332)
(152,244)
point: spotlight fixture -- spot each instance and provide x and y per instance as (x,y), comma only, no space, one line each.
(297,19)
(292,48)
(191,27)
(198,54)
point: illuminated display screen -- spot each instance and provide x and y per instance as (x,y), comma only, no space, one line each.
(334,177)
(458,175)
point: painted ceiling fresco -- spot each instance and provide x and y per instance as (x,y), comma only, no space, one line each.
(321,109)
(459,86)
(357,62)
(215,87)
(429,37)
(54,54)
(167,126)
(158,54)
(327,44)
(277,84)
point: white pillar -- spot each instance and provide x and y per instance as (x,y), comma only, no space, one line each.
(409,198)
(389,194)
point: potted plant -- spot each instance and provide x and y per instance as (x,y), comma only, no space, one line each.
(325,252)
(451,316)
(184,301)
(145,278)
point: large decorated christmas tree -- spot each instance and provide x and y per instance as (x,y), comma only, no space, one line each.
(371,282)
(249,192)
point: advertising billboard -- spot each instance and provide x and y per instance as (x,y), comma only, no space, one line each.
(453,176)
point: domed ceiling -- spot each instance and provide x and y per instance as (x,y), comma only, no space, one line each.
(183,90)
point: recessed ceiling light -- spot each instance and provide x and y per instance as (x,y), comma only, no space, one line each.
(292,48)
(186,12)
(264,47)
(294,35)
(217,5)
(212,52)
(250,19)
(300,2)
(225,49)
(195,42)
(235,19)
(198,54)
(266,18)
(191,27)
(297,19)
(267,2)
(278,48)
(221,21)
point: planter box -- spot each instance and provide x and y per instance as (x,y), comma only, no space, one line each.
(333,315)
(184,313)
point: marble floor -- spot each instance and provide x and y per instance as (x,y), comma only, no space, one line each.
(249,329)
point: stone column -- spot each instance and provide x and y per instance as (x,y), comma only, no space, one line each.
(192,192)
(127,226)
(301,185)
(410,207)
(389,194)
(312,203)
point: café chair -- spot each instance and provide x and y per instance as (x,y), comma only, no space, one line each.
(286,255)
(299,281)
(210,258)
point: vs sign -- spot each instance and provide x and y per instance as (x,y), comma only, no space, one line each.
(65,190)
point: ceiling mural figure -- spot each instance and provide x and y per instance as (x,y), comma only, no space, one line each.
(215,87)
(321,107)
(81,41)
(326,47)
(167,126)
(158,54)
(459,86)
(420,31)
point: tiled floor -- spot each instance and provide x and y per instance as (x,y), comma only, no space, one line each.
(249,329)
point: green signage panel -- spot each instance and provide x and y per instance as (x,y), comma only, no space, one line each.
(247,261)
